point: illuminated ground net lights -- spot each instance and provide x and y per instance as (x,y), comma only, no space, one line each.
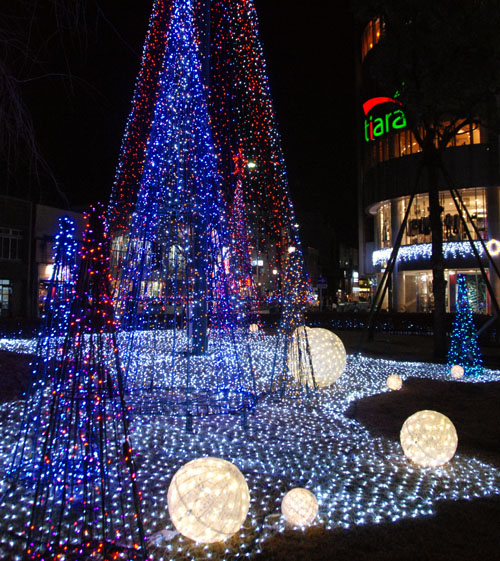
(72,490)
(356,477)
(185,351)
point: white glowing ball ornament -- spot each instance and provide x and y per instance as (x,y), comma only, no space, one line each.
(429,438)
(327,352)
(254,328)
(457,371)
(208,500)
(394,382)
(299,507)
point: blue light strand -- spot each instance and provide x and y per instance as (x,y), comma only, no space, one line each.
(48,348)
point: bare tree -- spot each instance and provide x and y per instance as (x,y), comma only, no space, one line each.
(31,31)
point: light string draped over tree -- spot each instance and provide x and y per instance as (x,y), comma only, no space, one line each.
(84,499)
(185,354)
(55,317)
(464,349)
(254,175)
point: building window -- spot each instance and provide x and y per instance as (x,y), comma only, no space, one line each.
(11,242)
(5,294)
(404,143)
(469,134)
(383,226)
(418,228)
(118,251)
(371,36)
(419,296)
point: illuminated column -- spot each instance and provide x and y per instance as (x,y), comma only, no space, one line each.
(493,216)
(398,287)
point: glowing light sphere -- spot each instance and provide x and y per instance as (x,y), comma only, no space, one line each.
(208,500)
(457,371)
(254,328)
(327,352)
(429,438)
(493,247)
(299,507)
(394,382)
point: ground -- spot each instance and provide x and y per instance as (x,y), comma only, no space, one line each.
(459,529)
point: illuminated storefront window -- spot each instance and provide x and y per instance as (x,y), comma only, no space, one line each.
(5,296)
(419,297)
(371,36)
(418,229)
(383,225)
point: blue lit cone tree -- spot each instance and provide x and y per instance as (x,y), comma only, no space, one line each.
(57,305)
(185,354)
(464,349)
(85,501)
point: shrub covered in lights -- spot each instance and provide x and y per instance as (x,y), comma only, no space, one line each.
(299,507)
(464,348)
(208,500)
(429,438)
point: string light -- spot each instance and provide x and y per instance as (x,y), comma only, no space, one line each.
(299,507)
(357,478)
(174,292)
(493,247)
(464,349)
(75,467)
(407,253)
(138,126)
(429,438)
(394,382)
(208,500)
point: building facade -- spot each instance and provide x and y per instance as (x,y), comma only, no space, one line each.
(27,234)
(390,164)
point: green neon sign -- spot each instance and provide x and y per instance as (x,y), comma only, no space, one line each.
(391,121)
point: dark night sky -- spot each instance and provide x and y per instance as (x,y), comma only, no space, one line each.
(310,60)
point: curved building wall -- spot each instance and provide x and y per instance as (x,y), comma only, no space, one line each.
(469,166)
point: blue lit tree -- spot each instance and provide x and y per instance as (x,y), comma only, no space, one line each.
(61,287)
(464,349)
(57,305)
(184,352)
(81,481)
